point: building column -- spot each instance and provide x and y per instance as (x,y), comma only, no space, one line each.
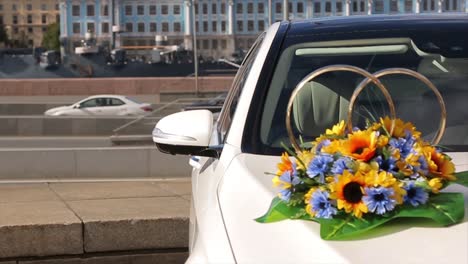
(188,30)
(116,14)
(309,10)
(370,3)
(466,6)
(347,7)
(230,17)
(285,10)
(417,6)
(439,5)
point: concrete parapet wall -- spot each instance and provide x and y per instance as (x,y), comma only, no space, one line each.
(71,126)
(125,86)
(90,163)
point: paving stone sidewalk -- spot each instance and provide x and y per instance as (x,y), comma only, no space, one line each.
(95,222)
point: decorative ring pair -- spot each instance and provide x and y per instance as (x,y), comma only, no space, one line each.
(374,78)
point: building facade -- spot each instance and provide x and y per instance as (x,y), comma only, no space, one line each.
(26,20)
(221,26)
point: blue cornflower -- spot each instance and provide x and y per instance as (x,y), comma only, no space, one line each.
(323,143)
(388,165)
(423,167)
(287,181)
(319,166)
(321,205)
(415,195)
(404,145)
(379,199)
(340,165)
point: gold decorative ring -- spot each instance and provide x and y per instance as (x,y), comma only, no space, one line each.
(314,74)
(417,75)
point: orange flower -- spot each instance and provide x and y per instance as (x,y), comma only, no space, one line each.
(400,127)
(440,165)
(285,165)
(360,145)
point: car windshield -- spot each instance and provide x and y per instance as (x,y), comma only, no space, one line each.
(325,100)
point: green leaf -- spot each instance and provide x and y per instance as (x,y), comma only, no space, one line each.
(445,209)
(279,210)
(462,178)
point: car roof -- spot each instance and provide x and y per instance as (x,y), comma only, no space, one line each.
(107,96)
(332,25)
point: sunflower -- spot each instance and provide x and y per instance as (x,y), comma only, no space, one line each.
(360,145)
(284,165)
(348,190)
(401,128)
(337,130)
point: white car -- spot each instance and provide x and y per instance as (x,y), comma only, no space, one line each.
(102,105)
(230,157)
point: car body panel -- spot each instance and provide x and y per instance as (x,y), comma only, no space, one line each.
(246,193)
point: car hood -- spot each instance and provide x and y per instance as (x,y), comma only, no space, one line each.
(57,109)
(245,193)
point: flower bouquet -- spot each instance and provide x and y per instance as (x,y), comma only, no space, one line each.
(353,180)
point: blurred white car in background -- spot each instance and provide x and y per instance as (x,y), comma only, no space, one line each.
(102,105)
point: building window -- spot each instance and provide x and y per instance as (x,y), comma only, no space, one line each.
(44,29)
(378,6)
(196,9)
(393,6)
(261,25)
(214,8)
(152,10)
(129,27)
(57,7)
(261,8)
(317,8)
(90,10)
(76,28)
(363,8)
(223,44)
(250,8)
(1,20)
(250,25)
(44,7)
(240,26)
(140,10)
(141,27)
(239,8)
(205,26)
(197,26)
(339,7)
(408,6)
(44,19)
(223,26)
(29,7)
(153,27)
(30,30)
(128,10)
(29,18)
(164,10)
(76,10)
(165,27)
(290,8)
(214,44)
(278,8)
(206,44)
(90,27)
(205,9)
(57,18)
(13,7)
(105,10)
(223,8)
(300,8)
(1,7)
(15,30)
(105,27)
(177,27)
(214,26)
(176,9)
(15,19)
(328,7)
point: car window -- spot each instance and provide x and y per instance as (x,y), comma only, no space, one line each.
(89,103)
(116,102)
(325,100)
(234,93)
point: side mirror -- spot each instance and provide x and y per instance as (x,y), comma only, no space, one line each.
(185,133)
(76,106)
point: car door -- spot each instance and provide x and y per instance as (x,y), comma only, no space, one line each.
(86,107)
(207,230)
